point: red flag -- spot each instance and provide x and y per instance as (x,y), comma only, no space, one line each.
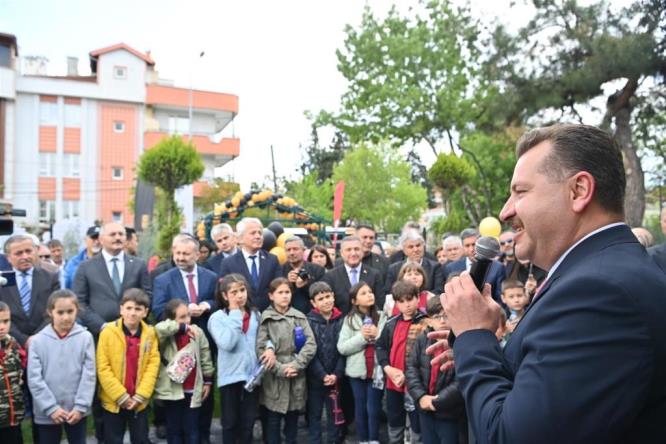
(337,202)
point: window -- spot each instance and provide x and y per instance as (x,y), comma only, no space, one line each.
(47,210)
(48,113)
(71,165)
(179,125)
(118,126)
(72,115)
(5,56)
(47,164)
(120,72)
(117,216)
(70,209)
(117,173)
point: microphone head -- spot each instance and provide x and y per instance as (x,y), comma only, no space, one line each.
(3,281)
(487,248)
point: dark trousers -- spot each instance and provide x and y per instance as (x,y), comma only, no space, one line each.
(11,435)
(396,413)
(51,434)
(116,423)
(182,422)
(208,405)
(438,431)
(367,408)
(318,397)
(239,410)
(273,422)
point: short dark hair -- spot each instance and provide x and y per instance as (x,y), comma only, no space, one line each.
(433,306)
(511,283)
(318,288)
(582,148)
(366,226)
(4,307)
(171,307)
(469,232)
(61,294)
(224,285)
(136,295)
(129,232)
(403,290)
(54,243)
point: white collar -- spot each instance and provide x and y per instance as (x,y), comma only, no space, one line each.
(561,258)
(185,273)
(357,268)
(108,257)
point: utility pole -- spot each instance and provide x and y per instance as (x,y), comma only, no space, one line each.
(274,175)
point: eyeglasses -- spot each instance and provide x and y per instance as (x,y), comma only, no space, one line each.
(45,256)
(508,241)
(439,317)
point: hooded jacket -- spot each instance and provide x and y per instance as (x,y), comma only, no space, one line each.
(327,360)
(12,364)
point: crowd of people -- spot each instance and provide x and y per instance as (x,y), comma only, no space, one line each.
(342,339)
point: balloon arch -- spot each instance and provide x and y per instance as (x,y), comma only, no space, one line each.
(288,211)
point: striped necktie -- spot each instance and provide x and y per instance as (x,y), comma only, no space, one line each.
(25,291)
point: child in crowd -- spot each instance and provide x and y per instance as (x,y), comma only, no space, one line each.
(327,367)
(441,408)
(414,273)
(392,350)
(61,372)
(182,401)
(128,361)
(234,329)
(284,387)
(516,298)
(360,330)
(12,365)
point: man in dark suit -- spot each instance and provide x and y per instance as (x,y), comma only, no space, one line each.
(225,239)
(27,299)
(195,285)
(368,236)
(343,277)
(496,274)
(413,246)
(300,273)
(587,361)
(100,282)
(258,266)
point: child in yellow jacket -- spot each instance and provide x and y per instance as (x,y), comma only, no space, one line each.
(128,362)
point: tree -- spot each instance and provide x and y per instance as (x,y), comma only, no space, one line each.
(559,62)
(378,187)
(321,160)
(316,197)
(169,165)
(220,191)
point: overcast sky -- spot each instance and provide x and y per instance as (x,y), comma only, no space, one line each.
(277,56)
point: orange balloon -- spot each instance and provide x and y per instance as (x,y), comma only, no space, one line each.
(280,253)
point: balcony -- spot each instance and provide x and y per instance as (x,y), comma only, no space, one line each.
(223,151)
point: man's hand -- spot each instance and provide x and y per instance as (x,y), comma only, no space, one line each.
(443,355)
(268,358)
(74,417)
(466,308)
(330,380)
(292,276)
(59,416)
(425,402)
(205,391)
(196,310)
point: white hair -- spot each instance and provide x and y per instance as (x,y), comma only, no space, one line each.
(452,240)
(411,235)
(219,228)
(295,239)
(241,226)
(184,239)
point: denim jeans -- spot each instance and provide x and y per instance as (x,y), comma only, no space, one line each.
(273,422)
(115,424)
(239,411)
(317,398)
(438,431)
(51,434)
(182,422)
(367,408)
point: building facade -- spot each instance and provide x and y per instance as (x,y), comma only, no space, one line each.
(71,143)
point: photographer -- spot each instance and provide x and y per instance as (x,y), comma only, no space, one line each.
(300,274)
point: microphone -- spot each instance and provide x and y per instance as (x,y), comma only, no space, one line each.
(3,281)
(486,249)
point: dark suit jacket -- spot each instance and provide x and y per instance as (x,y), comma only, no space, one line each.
(214,263)
(399,256)
(269,269)
(25,325)
(94,288)
(169,285)
(300,299)
(586,363)
(658,254)
(433,271)
(338,279)
(495,275)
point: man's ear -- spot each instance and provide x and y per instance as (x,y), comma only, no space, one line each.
(581,190)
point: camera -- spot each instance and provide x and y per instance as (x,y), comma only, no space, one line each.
(303,274)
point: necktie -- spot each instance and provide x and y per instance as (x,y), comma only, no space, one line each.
(255,273)
(191,288)
(353,276)
(25,291)
(115,276)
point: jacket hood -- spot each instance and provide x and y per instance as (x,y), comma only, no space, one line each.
(316,316)
(51,333)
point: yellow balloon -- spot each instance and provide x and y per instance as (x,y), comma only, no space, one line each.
(490,226)
(280,253)
(282,239)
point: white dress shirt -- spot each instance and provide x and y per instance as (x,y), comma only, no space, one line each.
(120,262)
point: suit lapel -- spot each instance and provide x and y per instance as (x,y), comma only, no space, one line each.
(129,269)
(179,286)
